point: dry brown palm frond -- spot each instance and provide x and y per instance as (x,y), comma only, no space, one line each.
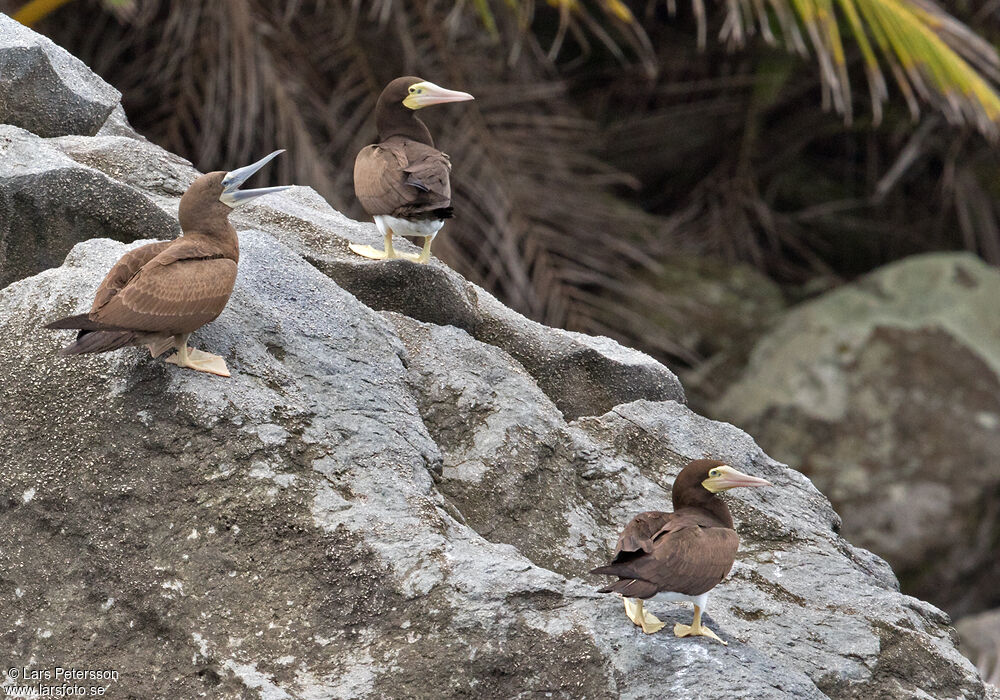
(535,223)
(930,54)
(212,86)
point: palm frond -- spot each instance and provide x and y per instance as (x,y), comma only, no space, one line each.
(34,11)
(931,55)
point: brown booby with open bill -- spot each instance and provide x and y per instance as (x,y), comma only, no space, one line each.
(160,293)
(403,180)
(679,556)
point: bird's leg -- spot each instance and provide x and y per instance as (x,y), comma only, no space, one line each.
(696,628)
(368,251)
(160,345)
(196,359)
(649,622)
(425,254)
(390,252)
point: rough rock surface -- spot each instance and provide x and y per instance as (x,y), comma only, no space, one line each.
(377,506)
(391,498)
(45,89)
(887,394)
(49,202)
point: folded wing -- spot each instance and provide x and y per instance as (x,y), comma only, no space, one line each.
(403,178)
(686,553)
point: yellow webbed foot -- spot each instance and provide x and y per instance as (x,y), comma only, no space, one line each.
(637,614)
(696,629)
(200,361)
(368,251)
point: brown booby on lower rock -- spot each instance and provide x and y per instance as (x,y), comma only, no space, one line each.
(679,556)
(403,181)
(160,293)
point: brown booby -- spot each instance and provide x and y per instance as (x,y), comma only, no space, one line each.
(679,556)
(402,180)
(160,293)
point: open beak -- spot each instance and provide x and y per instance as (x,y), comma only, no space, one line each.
(232,196)
(729,478)
(427,93)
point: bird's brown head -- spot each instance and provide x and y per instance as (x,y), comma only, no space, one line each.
(700,480)
(207,202)
(201,203)
(394,113)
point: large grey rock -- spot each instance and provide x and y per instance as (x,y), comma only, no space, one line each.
(714,311)
(49,202)
(45,89)
(887,394)
(375,506)
(581,374)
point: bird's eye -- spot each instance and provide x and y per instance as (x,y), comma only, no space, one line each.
(412,90)
(714,473)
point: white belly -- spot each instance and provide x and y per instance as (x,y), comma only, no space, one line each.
(405,227)
(670,597)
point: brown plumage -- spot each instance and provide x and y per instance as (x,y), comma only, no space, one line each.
(167,288)
(683,554)
(160,293)
(688,551)
(402,175)
(403,181)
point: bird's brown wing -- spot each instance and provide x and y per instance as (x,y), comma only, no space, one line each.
(690,560)
(402,178)
(178,291)
(689,551)
(637,537)
(123,270)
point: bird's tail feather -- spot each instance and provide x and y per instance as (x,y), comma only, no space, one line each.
(99,341)
(81,321)
(626,584)
(631,587)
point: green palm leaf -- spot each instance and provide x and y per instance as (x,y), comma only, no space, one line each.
(931,55)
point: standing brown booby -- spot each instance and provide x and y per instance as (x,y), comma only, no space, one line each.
(160,293)
(679,556)
(403,181)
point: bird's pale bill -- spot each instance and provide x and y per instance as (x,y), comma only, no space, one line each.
(724,477)
(232,196)
(427,93)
